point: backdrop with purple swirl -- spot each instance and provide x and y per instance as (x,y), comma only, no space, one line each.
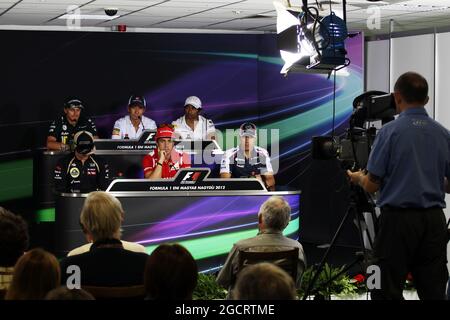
(236,76)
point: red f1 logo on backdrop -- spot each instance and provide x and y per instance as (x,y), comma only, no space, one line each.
(192,176)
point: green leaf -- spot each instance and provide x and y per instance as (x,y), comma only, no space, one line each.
(208,289)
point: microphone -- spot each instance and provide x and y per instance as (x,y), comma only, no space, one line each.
(142,122)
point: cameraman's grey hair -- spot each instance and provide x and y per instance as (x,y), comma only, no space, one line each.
(276,213)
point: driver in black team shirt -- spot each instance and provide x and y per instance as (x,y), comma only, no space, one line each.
(62,130)
(248,160)
(81,171)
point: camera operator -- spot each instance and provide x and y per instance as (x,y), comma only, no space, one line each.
(409,165)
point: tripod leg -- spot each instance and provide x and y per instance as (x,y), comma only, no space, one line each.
(360,231)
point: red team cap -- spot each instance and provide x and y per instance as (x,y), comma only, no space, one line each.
(164,131)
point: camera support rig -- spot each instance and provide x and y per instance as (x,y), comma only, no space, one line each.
(353,153)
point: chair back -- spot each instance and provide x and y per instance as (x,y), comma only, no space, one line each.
(285,259)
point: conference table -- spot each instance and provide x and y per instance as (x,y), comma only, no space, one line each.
(197,209)
(206,215)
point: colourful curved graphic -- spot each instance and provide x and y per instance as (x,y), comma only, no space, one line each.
(242,86)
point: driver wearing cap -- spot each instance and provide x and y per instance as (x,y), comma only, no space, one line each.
(62,131)
(81,171)
(248,160)
(164,162)
(132,125)
(193,126)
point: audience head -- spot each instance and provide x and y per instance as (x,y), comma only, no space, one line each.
(101,216)
(410,90)
(64,293)
(35,274)
(170,274)
(274,214)
(13,238)
(264,281)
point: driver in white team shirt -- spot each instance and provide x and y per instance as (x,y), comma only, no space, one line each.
(132,125)
(193,126)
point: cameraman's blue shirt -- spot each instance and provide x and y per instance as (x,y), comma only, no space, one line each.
(411,156)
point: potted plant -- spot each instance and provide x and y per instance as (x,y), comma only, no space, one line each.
(208,289)
(324,289)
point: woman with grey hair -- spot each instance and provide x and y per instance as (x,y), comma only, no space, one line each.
(101,218)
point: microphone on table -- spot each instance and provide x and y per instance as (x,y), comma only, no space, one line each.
(142,122)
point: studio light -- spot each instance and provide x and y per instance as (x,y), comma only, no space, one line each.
(308,42)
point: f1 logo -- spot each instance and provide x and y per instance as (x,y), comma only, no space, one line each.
(149,139)
(191,176)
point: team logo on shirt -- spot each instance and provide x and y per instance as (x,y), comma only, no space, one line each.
(74,173)
(64,127)
(91,172)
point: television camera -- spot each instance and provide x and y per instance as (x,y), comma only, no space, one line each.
(353,153)
(354,148)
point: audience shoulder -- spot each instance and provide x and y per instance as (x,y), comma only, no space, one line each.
(79,250)
(132,246)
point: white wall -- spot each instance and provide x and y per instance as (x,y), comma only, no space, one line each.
(377,65)
(442,94)
(417,54)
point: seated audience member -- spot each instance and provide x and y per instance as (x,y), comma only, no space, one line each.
(165,161)
(81,171)
(13,243)
(273,218)
(193,126)
(35,274)
(64,293)
(448,290)
(136,247)
(170,274)
(132,125)
(248,160)
(107,263)
(62,131)
(264,281)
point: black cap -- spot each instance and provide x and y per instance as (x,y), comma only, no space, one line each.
(247,129)
(84,142)
(74,103)
(137,101)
